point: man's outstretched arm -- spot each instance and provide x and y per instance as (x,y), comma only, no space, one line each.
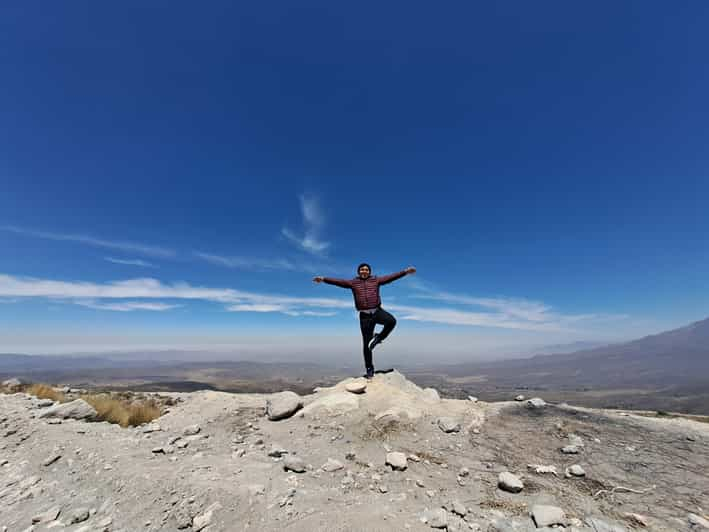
(385,279)
(344,283)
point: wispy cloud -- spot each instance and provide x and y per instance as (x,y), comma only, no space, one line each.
(133,247)
(147,288)
(256,264)
(130,262)
(313,225)
(127,306)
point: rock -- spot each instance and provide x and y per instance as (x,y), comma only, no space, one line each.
(506,481)
(599,525)
(575,440)
(397,461)
(437,518)
(332,404)
(283,405)
(77,409)
(182,444)
(542,469)
(447,424)
(519,398)
(332,465)
(151,427)
(575,471)
(356,386)
(191,430)
(570,449)
(535,403)
(158,450)
(545,515)
(204,519)
(636,519)
(697,521)
(464,472)
(51,459)
(472,399)
(458,508)
(44,403)
(13,384)
(277,451)
(47,516)
(383,489)
(78,515)
(293,463)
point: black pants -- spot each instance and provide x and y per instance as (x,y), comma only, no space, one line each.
(367,322)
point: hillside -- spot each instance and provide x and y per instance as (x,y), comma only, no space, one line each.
(216,462)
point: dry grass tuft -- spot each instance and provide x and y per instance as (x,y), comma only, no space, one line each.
(121,412)
(44,391)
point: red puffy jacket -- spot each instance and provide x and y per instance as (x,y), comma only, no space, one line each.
(366,291)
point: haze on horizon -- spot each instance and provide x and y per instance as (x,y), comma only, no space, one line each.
(173,178)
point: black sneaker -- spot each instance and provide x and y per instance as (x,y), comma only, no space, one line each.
(374,342)
(370,373)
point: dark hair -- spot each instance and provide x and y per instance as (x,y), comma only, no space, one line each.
(364,264)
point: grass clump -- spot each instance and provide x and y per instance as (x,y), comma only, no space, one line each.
(44,391)
(122,412)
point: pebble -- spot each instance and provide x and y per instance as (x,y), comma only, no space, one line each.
(506,481)
(293,463)
(397,461)
(545,515)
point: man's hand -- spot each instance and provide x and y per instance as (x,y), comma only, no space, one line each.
(410,270)
(318,279)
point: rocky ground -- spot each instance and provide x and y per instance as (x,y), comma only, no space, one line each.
(393,457)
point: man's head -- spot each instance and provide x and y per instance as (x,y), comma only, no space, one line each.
(364,270)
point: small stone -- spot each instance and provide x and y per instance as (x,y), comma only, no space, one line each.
(458,508)
(636,519)
(332,465)
(508,482)
(472,399)
(191,430)
(464,472)
(697,521)
(570,449)
(158,450)
(420,483)
(437,518)
(51,459)
(383,489)
(78,515)
(575,471)
(356,386)
(46,517)
(536,403)
(545,515)
(447,424)
(277,451)
(397,461)
(519,398)
(293,463)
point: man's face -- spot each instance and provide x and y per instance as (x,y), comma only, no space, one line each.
(364,272)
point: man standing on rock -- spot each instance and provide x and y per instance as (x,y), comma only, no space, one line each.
(365,289)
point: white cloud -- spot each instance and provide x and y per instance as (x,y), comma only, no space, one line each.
(130,262)
(127,306)
(313,223)
(133,247)
(255,263)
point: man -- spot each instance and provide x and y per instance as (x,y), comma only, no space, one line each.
(365,289)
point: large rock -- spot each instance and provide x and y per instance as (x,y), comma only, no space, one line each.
(448,424)
(13,384)
(508,482)
(437,518)
(333,404)
(535,403)
(77,409)
(545,515)
(397,461)
(283,405)
(356,386)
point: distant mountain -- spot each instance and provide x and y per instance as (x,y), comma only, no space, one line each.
(679,357)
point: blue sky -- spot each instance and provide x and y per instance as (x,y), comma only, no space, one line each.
(174,176)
